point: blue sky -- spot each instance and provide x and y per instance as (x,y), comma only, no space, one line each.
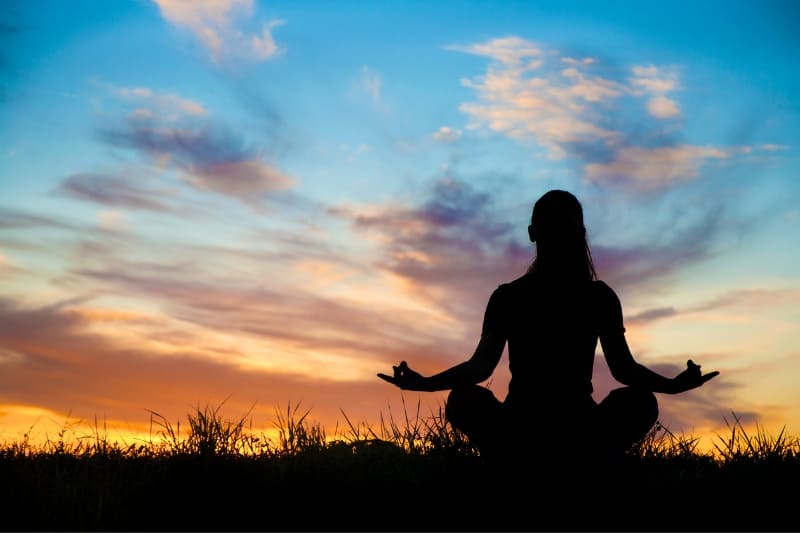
(277,200)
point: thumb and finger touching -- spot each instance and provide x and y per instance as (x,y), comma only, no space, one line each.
(693,370)
(400,372)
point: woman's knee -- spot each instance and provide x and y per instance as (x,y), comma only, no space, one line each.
(648,406)
(634,405)
(464,403)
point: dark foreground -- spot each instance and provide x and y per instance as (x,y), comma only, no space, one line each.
(371,491)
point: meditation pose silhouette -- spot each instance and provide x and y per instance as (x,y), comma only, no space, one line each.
(552,317)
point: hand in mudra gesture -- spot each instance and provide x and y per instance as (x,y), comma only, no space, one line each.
(691,378)
(405,378)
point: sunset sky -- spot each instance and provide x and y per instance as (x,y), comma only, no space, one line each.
(267,203)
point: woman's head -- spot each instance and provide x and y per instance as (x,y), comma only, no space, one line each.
(559,233)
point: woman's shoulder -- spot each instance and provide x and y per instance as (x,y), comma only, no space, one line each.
(508,289)
(604,292)
(601,285)
(528,281)
(523,282)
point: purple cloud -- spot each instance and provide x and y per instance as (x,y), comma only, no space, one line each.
(112,191)
(208,156)
(454,247)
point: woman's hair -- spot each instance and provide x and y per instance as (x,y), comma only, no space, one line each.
(562,250)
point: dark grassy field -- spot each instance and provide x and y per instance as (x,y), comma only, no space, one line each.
(415,476)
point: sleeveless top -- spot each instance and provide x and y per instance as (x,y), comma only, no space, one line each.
(552,328)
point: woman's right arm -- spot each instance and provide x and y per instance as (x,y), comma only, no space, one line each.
(474,370)
(477,368)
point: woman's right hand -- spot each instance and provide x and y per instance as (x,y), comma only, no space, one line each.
(405,378)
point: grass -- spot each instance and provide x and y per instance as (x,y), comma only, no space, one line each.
(413,474)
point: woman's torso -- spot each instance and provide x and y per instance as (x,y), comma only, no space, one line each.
(552,329)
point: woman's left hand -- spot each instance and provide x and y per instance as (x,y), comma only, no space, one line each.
(691,378)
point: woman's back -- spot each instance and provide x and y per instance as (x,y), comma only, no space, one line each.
(552,328)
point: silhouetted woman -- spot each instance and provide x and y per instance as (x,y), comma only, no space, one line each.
(551,318)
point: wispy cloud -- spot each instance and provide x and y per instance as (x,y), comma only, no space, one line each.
(572,110)
(446,134)
(165,104)
(51,358)
(653,168)
(114,191)
(456,243)
(218,26)
(207,154)
(520,99)
(296,297)
(774,147)
(299,322)
(750,299)
(663,252)
(653,79)
(656,82)
(452,249)
(259,321)
(18,219)
(512,51)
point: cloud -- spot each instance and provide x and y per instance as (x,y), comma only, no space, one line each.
(162,103)
(654,80)
(455,243)
(662,252)
(651,315)
(662,107)
(296,297)
(510,51)
(113,191)
(446,134)
(216,24)
(244,179)
(573,61)
(518,98)
(774,147)
(750,299)
(283,313)
(573,111)
(264,46)
(452,249)
(230,319)
(209,156)
(171,132)
(283,318)
(653,168)
(17,219)
(51,359)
